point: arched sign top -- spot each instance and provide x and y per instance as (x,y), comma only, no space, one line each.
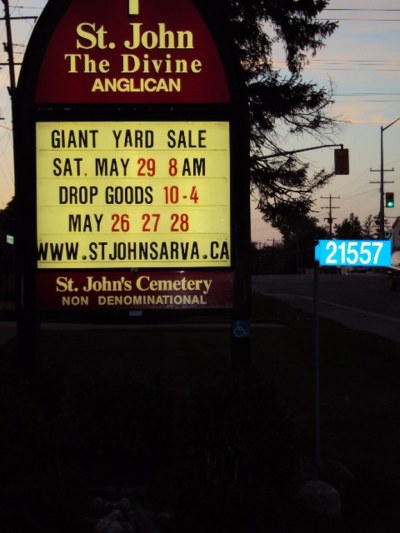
(132,51)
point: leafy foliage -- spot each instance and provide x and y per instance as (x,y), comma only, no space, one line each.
(282,102)
(350,228)
(240,458)
(8,218)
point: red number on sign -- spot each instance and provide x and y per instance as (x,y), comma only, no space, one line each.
(194,196)
(173,167)
(120,223)
(150,222)
(180,222)
(171,194)
(147,167)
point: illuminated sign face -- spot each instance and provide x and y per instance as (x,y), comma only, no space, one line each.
(133,194)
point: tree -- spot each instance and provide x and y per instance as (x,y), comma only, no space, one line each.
(370,227)
(282,102)
(8,218)
(350,228)
(300,234)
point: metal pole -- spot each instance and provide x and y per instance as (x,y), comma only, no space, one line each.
(381,191)
(279,154)
(27,324)
(317,360)
(382,182)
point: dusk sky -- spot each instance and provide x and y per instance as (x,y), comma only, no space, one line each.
(362,60)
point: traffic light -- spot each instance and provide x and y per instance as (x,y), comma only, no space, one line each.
(389,199)
(342,161)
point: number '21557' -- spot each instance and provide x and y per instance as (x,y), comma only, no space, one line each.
(365,253)
(353,252)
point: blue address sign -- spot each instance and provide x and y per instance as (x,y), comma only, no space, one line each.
(353,253)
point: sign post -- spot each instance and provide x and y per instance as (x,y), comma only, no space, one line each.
(339,253)
(132,163)
(317,370)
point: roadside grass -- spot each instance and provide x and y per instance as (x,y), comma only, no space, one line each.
(360,393)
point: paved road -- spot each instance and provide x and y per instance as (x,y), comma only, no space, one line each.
(361,301)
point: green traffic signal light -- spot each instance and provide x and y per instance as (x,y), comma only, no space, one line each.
(389,199)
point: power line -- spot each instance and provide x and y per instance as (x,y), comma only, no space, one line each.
(26,7)
(357,20)
(358,9)
(362,10)
(367,94)
(357,65)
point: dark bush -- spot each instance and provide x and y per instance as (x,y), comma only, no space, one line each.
(34,494)
(239,458)
(124,425)
(222,459)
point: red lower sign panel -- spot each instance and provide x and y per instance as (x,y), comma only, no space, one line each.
(139,290)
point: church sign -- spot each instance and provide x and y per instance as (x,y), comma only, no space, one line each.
(131,159)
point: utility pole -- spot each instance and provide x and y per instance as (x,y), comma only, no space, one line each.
(330,219)
(382,182)
(9,49)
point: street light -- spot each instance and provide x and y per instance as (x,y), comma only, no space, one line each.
(382,207)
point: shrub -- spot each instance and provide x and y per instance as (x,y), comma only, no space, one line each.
(125,425)
(239,457)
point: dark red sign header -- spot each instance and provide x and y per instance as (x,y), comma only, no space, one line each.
(142,51)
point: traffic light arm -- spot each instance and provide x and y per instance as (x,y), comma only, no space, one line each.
(303,150)
(341,156)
